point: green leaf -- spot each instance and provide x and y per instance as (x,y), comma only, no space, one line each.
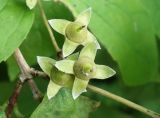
(153,8)
(16,21)
(38,41)
(126,30)
(63,106)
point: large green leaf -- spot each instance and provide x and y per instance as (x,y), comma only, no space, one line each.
(38,42)
(125,29)
(15,23)
(153,8)
(64,106)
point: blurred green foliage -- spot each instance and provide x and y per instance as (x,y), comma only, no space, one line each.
(129,34)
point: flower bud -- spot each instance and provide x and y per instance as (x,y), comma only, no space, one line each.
(61,78)
(84,68)
(76,32)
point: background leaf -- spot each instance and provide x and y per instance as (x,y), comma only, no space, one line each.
(64,106)
(16,21)
(126,30)
(153,8)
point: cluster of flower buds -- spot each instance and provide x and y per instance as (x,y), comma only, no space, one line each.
(75,70)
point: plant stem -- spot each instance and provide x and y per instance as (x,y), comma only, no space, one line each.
(124,101)
(48,27)
(35,91)
(13,99)
(24,67)
(26,75)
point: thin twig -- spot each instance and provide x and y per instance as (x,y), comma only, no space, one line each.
(124,101)
(36,93)
(48,27)
(38,73)
(26,74)
(23,66)
(13,99)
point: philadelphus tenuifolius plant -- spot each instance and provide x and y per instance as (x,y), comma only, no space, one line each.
(76,33)
(84,69)
(58,79)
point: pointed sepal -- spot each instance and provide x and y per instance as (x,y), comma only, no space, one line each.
(79,86)
(46,64)
(52,89)
(59,25)
(84,17)
(89,51)
(65,66)
(68,47)
(73,56)
(31,3)
(104,72)
(91,38)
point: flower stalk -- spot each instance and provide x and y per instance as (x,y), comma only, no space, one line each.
(48,27)
(124,101)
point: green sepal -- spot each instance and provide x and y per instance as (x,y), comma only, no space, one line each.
(68,47)
(103,72)
(89,51)
(59,25)
(46,64)
(31,3)
(65,66)
(52,89)
(84,17)
(79,86)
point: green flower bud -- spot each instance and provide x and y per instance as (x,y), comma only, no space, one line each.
(61,78)
(76,32)
(84,68)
